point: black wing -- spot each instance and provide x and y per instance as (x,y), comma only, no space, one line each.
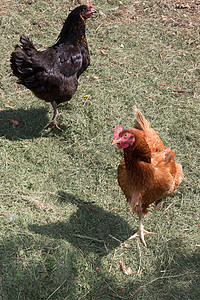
(68,59)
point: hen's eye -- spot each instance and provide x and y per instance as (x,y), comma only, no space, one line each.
(125,135)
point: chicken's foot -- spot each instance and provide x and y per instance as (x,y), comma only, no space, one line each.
(141,232)
(52,123)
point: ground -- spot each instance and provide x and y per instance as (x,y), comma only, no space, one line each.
(64,220)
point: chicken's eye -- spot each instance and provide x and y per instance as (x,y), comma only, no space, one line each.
(125,135)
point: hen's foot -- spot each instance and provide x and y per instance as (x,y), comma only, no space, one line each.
(141,234)
(52,124)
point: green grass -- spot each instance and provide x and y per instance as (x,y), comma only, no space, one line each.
(62,213)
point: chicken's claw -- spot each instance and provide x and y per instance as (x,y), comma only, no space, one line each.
(52,124)
(141,234)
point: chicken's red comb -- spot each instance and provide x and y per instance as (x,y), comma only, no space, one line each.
(117,131)
(89,6)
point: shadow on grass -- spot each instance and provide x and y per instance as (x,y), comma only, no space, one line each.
(30,123)
(91,227)
(179,280)
(36,279)
(54,276)
(96,232)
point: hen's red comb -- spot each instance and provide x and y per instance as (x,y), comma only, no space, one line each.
(89,6)
(117,131)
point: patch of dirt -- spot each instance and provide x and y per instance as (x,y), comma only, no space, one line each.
(139,9)
(191,5)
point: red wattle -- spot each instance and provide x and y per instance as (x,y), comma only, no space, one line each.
(123,145)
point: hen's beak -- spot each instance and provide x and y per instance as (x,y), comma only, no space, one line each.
(114,142)
(94,10)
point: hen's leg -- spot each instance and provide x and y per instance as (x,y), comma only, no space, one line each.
(158,203)
(53,123)
(141,232)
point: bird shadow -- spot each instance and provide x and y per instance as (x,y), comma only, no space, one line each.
(176,278)
(22,124)
(90,227)
(19,124)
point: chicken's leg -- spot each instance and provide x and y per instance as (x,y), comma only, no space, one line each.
(53,123)
(141,232)
(158,204)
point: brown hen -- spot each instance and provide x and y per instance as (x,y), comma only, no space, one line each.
(148,172)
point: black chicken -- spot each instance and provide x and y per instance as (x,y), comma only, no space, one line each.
(52,75)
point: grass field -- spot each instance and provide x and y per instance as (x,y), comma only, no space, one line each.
(64,220)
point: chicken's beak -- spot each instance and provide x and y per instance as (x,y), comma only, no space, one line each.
(114,142)
(93,10)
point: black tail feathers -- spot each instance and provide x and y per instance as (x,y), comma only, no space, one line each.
(27,45)
(24,62)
